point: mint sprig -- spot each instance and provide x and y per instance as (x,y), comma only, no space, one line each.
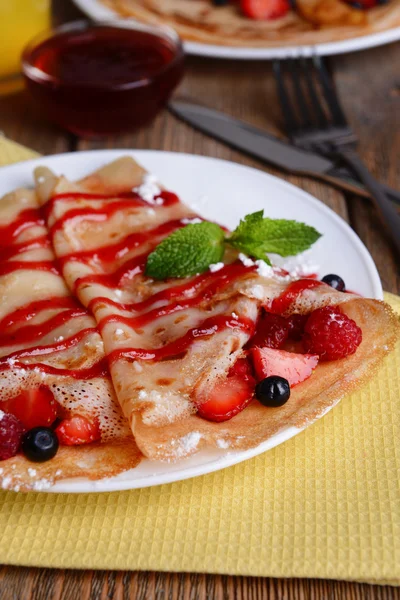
(256,235)
(186,252)
(194,248)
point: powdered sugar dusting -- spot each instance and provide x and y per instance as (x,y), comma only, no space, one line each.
(221,443)
(186,444)
(41,484)
(248,262)
(149,189)
(216,267)
(283,269)
(191,221)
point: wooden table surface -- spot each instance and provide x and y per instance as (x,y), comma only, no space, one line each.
(369,86)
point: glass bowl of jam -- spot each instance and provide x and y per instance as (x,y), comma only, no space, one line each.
(96,79)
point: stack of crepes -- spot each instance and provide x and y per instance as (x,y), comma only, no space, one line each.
(116,346)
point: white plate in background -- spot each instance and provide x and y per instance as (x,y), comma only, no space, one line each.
(98,12)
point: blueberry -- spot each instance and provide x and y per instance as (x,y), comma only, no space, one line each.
(335,282)
(39,444)
(273,391)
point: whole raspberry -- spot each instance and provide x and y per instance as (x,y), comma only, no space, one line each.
(11,430)
(272,331)
(331,334)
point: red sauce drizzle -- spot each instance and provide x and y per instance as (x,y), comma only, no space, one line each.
(29,217)
(128,271)
(28,311)
(7,252)
(281,304)
(50,348)
(119,201)
(98,369)
(28,334)
(207,328)
(38,265)
(216,281)
(114,252)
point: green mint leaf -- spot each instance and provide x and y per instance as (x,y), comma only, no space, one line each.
(255,235)
(188,251)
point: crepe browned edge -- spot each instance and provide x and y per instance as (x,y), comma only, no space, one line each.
(315,22)
(93,461)
(308,401)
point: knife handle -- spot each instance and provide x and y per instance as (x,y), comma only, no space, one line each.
(339,179)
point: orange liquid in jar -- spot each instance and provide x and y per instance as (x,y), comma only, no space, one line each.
(20,21)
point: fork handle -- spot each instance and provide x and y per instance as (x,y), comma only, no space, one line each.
(386,209)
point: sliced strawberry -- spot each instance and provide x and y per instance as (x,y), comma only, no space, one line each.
(293,367)
(296,326)
(243,369)
(34,407)
(230,396)
(264,9)
(77,430)
(272,331)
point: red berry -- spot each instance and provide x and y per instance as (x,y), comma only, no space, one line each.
(11,430)
(272,331)
(264,9)
(331,334)
(242,368)
(296,326)
(33,407)
(231,395)
(295,368)
(77,430)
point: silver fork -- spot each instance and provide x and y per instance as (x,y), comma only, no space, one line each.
(316,122)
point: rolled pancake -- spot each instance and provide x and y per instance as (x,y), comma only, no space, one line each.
(314,21)
(48,338)
(159,392)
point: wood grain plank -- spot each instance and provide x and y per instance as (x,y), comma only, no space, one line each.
(373,110)
(243,90)
(23,122)
(39,584)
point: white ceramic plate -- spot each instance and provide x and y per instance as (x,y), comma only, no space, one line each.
(97,11)
(225,192)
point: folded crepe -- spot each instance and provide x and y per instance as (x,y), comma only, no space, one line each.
(49,339)
(170,342)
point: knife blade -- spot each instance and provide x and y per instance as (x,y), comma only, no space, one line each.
(266,147)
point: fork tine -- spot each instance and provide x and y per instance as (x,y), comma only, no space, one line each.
(313,93)
(289,116)
(293,66)
(329,92)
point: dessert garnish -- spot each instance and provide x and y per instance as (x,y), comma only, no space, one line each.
(196,246)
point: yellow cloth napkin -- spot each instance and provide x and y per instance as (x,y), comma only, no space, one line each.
(324,504)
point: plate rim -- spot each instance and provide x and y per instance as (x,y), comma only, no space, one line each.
(219,459)
(98,12)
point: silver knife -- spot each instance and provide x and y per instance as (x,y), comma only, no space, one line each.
(264,146)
